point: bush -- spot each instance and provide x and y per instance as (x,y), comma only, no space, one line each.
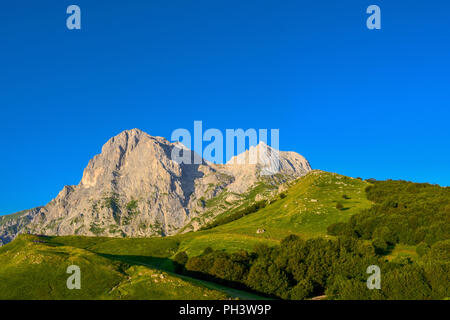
(422,249)
(406,283)
(340,229)
(207,250)
(180,260)
(302,290)
(380,246)
(441,251)
(437,274)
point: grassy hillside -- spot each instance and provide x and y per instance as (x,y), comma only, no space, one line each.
(307,209)
(227,202)
(35,267)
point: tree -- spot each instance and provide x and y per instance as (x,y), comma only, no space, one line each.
(208,250)
(180,260)
(406,283)
(302,290)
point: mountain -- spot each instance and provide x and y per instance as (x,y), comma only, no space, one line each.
(133,188)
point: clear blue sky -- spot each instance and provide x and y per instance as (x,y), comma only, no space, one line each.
(353,101)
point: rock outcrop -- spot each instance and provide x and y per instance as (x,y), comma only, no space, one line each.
(13,224)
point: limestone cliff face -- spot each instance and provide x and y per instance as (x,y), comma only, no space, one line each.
(134,188)
(263,161)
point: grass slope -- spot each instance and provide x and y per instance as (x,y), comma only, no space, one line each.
(307,210)
(219,205)
(35,267)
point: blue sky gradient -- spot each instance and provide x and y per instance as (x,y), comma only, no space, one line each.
(353,101)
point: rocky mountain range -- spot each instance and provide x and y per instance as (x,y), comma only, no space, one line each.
(133,188)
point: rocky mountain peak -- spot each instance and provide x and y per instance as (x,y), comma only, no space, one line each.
(134,188)
(131,150)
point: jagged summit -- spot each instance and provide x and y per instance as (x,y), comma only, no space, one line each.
(134,188)
(131,150)
(268,161)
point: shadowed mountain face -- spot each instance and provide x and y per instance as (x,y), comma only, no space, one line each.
(134,188)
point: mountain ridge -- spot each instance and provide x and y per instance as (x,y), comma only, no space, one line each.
(134,188)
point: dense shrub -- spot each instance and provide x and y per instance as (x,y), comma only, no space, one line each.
(422,249)
(406,283)
(180,260)
(404,212)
